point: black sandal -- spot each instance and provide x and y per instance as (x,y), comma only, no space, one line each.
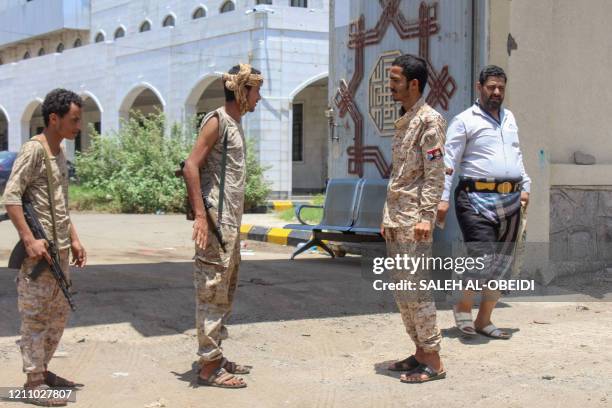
(407,364)
(55,381)
(431,374)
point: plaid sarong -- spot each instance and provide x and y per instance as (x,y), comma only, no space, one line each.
(495,207)
(504,211)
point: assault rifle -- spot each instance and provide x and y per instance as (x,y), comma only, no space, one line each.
(19,253)
(216,228)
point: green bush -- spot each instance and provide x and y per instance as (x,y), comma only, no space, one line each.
(257,188)
(134,168)
(87,199)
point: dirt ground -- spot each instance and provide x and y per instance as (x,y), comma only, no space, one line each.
(314,330)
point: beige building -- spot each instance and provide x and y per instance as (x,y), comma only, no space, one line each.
(556,57)
(558,91)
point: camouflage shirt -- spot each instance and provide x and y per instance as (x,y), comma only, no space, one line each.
(29,179)
(417,177)
(235,170)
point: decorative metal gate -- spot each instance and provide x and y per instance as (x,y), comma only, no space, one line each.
(366,37)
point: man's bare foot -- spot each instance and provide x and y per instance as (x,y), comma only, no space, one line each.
(41,391)
(212,374)
(427,359)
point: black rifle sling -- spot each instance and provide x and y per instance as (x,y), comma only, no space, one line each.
(50,192)
(222,181)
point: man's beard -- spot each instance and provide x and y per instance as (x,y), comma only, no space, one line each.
(493,104)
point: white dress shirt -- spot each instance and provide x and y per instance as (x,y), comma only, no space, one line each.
(478,146)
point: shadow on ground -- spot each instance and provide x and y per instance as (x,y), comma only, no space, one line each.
(158,298)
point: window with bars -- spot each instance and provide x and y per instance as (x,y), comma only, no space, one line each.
(298,132)
(258,2)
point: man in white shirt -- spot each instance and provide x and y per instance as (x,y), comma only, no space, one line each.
(482,145)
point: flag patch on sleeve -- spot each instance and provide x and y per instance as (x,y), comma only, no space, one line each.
(435,154)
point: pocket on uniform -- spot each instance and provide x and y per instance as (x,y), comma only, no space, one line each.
(211,283)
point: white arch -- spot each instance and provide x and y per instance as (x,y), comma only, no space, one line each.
(197,90)
(93,97)
(146,20)
(5,113)
(223,5)
(170,14)
(306,83)
(199,87)
(26,117)
(117,29)
(103,34)
(130,97)
(199,6)
(30,108)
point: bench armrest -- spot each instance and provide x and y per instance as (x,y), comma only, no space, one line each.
(299,208)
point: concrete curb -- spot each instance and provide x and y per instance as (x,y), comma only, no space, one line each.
(291,237)
(278,206)
(280,236)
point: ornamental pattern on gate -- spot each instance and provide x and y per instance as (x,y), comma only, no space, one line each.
(441,83)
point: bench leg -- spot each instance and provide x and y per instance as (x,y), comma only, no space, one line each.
(313,242)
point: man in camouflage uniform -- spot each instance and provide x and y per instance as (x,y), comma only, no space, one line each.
(415,188)
(216,270)
(42,306)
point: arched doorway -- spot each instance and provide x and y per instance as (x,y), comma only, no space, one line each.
(205,97)
(143,99)
(91,117)
(4,129)
(32,122)
(308,137)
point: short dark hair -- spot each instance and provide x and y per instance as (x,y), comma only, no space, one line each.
(229,95)
(491,71)
(413,67)
(58,101)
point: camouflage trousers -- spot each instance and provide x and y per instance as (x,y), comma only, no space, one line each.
(215,279)
(44,312)
(417,307)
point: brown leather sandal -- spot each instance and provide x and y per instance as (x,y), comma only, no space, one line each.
(55,381)
(221,378)
(234,368)
(41,388)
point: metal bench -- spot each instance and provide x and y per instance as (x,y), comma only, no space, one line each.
(352,212)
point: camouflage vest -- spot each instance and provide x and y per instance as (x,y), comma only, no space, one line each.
(235,168)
